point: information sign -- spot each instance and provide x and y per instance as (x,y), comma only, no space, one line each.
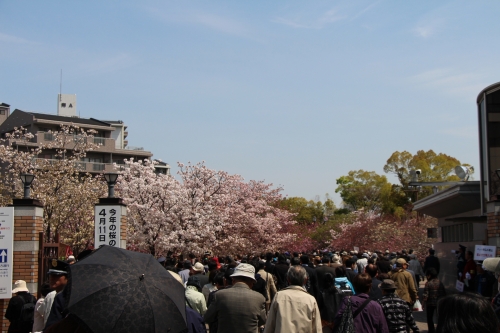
(6,250)
(484,251)
(107,225)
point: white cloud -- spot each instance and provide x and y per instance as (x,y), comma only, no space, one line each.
(15,40)
(208,20)
(364,10)
(429,26)
(468,132)
(107,64)
(449,81)
(318,22)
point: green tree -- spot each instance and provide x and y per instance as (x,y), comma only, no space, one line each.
(366,190)
(309,211)
(434,168)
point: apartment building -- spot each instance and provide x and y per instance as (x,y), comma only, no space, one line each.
(110,135)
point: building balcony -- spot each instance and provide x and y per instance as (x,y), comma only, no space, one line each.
(90,167)
(106,145)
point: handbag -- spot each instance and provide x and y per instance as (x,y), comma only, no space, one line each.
(417,307)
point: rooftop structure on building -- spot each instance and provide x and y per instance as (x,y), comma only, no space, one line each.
(111,135)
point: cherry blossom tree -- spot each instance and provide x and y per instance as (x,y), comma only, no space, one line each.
(205,210)
(67,193)
(379,232)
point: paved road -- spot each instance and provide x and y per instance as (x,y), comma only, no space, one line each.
(421,317)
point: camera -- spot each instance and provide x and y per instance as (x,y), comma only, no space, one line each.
(418,171)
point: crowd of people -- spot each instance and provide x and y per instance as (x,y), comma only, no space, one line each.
(298,292)
(328,292)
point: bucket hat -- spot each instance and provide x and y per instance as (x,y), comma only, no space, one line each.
(492,264)
(20,285)
(387,284)
(245,270)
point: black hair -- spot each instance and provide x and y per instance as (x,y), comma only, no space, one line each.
(219,279)
(325,260)
(260,265)
(45,289)
(212,265)
(340,271)
(269,256)
(349,262)
(362,283)
(371,270)
(295,261)
(431,271)
(432,251)
(227,275)
(304,259)
(328,281)
(466,313)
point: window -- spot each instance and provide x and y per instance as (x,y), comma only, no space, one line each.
(2,112)
(458,233)
(98,167)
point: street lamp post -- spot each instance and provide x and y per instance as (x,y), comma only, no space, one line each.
(27,179)
(111,179)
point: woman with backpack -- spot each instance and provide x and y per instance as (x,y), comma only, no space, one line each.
(21,309)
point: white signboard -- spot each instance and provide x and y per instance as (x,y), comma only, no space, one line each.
(107,225)
(485,251)
(6,250)
(460,286)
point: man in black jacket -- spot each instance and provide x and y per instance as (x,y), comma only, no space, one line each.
(431,261)
(350,266)
(321,270)
(312,283)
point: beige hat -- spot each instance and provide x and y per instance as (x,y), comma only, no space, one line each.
(492,264)
(335,258)
(176,276)
(20,285)
(198,267)
(245,270)
(401,261)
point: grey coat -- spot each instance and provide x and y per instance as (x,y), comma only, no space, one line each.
(237,310)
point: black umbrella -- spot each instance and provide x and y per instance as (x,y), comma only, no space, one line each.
(115,290)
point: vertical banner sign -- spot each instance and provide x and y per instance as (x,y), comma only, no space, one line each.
(107,225)
(6,250)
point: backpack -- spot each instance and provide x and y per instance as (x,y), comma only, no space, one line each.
(27,310)
(344,288)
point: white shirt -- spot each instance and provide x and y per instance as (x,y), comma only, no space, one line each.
(46,306)
(38,323)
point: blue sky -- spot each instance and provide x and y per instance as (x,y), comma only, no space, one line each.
(291,92)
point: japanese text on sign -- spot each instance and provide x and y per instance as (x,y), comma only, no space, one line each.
(484,251)
(107,226)
(6,250)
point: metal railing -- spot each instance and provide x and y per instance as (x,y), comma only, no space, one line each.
(83,166)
